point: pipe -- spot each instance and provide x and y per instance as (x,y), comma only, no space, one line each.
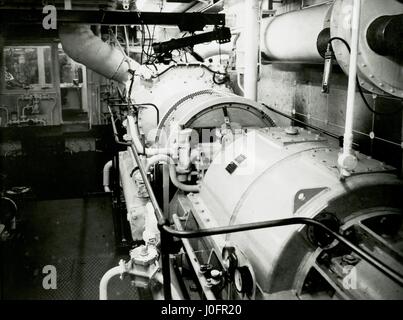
(213,49)
(132,129)
(106,176)
(293,36)
(25,109)
(115,271)
(251,37)
(347,160)
(103,285)
(172,172)
(81,44)
(238,74)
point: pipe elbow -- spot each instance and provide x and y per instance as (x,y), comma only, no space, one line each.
(83,46)
(106,176)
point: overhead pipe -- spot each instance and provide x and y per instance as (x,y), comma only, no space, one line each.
(293,36)
(251,38)
(83,46)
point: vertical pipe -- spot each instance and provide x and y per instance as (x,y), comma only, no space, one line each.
(347,160)
(251,38)
(106,176)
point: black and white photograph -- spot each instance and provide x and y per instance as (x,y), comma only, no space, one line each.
(215,152)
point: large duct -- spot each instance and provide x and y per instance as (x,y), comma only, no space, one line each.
(83,46)
(293,36)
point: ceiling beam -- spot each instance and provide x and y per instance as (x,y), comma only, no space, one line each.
(185,21)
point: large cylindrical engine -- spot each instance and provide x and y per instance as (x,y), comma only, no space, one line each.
(272,174)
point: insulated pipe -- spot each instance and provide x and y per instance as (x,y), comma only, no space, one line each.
(251,38)
(347,160)
(293,36)
(103,285)
(213,49)
(106,176)
(83,46)
(172,172)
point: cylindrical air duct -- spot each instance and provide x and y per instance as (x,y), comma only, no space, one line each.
(293,36)
(83,46)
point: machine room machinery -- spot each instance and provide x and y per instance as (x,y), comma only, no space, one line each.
(224,204)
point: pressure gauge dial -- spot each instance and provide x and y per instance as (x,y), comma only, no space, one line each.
(243,280)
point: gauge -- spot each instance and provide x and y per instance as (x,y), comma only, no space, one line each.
(243,280)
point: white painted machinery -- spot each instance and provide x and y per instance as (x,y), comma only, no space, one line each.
(251,210)
(228,165)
